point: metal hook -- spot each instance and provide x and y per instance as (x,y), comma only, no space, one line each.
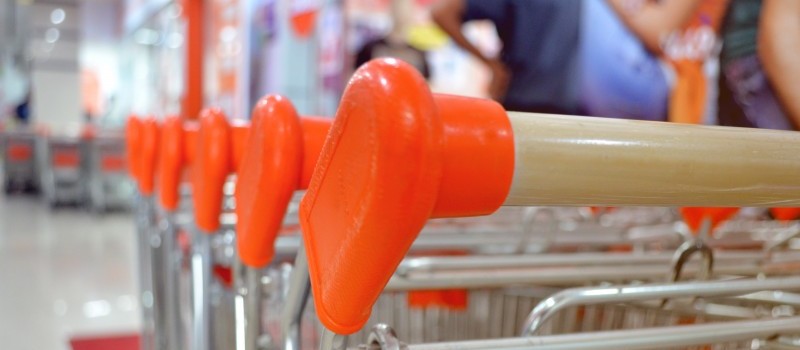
(384,337)
(690,248)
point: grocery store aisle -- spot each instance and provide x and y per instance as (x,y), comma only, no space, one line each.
(64,273)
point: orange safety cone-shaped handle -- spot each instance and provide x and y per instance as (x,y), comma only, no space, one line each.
(694,216)
(148,156)
(133,140)
(396,155)
(785,214)
(170,162)
(280,148)
(212,164)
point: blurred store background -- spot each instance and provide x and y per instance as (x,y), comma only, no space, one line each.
(92,61)
(73,71)
(70,68)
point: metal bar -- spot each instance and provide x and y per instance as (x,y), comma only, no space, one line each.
(173,329)
(159,280)
(444,263)
(617,294)
(639,339)
(248,306)
(144,223)
(332,341)
(494,278)
(296,298)
(201,289)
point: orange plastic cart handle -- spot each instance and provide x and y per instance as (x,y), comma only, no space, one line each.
(315,130)
(396,155)
(133,131)
(190,131)
(211,168)
(240,130)
(170,162)
(785,214)
(694,216)
(147,157)
(281,150)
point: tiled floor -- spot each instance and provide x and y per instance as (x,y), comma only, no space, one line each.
(64,272)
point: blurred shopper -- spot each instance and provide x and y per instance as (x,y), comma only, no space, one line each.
(23,110)
(537,70)
(620,76)
(760,70)
(684,33)
(395,44)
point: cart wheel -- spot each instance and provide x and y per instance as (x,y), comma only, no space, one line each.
(9,187)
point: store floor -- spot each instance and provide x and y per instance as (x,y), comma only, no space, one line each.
(64,273)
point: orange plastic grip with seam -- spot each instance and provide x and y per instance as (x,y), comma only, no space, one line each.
(212,164)
(148,156)
(170,164)
(133,135)
(280,147)
(395,156)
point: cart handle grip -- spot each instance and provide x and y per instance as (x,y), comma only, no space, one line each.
(148,155)
(281,154)
(397,155)
(213,164)
(170,162)
(133,135)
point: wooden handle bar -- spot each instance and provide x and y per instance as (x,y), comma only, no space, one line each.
(574,161)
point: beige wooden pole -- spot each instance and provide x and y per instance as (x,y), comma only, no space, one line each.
(568,160)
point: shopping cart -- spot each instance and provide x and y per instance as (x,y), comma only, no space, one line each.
(176,154)
(141,143)
(372,192)
(594,233)
(280,156)
(218,155)
(19,160)
(65,169)
(107,171)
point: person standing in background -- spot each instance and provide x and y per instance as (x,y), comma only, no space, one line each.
(537,69)
(23,110)
(620,76)
(395,44)
(683,33)
(760,70)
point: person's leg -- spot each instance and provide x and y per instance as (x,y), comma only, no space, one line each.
(752,92)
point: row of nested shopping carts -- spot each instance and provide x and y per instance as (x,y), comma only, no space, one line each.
(87,168)
(381,217)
